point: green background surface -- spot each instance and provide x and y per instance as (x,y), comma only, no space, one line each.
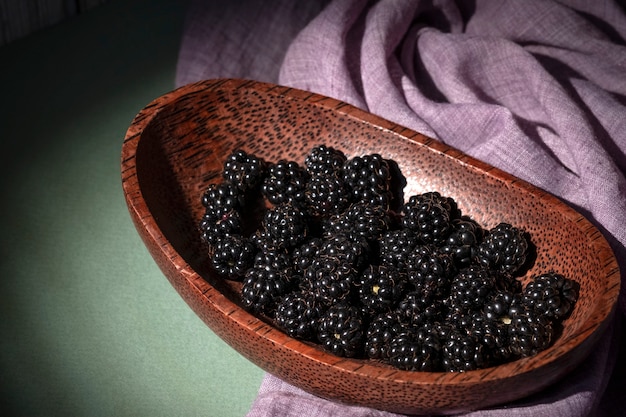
(89,325)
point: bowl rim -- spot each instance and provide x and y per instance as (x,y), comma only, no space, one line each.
(144,219)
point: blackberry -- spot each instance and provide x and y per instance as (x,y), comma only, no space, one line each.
(428,217)
(380,288)
(341,330)
(550,294)
(302,256)
(470,288)
(529,333)
(493,335)
(416,349)
(285,183)
(448,203)
(324,160)
(359,220)
(330,279)
(503,248)
(243,170)
(232,256)
(368,178)
(354,252)
(499,304)
(463,351)
(325,195)
(418,311)
(297,313)
(380,331)
(267,281)
(462,242)
(430,272)
(221,199)
(395,247)
(283,226)
(214,227)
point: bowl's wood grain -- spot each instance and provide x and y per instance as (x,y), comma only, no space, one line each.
(176,146)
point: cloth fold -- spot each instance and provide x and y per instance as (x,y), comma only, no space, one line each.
(536,88)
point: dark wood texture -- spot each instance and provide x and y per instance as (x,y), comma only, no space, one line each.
(176,146)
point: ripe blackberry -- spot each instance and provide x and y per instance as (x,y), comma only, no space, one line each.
(529,333)
(380,331)
(416,310)
(416,349)
(285,183)
(324,160)
(245,171)
(428,217)
(470,288)
(448,203)
(368,178)
(354,252)
(463,351)
(430,272)
(498,305)
(302,256)
(462,242)
(380,289)
(267,281)
(395,247)
(325,195)
(341,330)
(215,227)
(330,279)
(359,220)
(232,256)
(297,313)
(550,294)
(493,335)
(283,226)
(503,248)
(222,198)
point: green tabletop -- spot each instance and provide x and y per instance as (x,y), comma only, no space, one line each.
(89,325)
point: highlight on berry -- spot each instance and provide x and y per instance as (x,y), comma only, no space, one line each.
(415,284)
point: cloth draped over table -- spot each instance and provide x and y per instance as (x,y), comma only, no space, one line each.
(536,88)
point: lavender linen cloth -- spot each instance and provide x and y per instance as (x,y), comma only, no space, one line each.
(536,88)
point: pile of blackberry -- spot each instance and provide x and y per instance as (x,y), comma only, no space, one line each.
(336,260)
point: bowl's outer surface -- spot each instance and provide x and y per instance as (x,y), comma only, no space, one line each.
(176,146)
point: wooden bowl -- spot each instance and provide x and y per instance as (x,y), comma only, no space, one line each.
(176,146)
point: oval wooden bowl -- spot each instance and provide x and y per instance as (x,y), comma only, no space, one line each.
(176,146)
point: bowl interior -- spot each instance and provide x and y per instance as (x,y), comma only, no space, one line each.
(176,147)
